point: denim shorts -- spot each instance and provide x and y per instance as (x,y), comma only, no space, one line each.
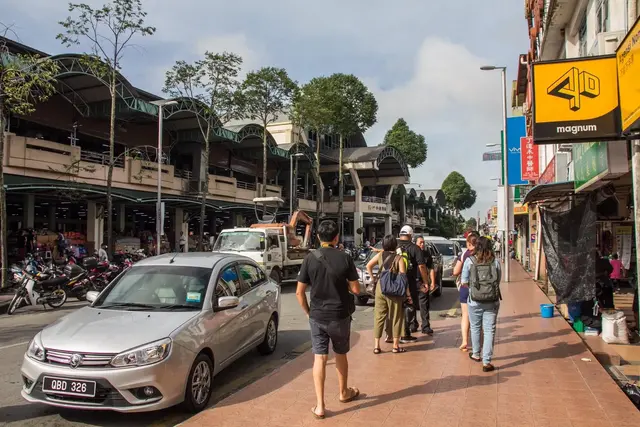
(336,331)
(464,294)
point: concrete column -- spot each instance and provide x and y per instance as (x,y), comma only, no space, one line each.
(387,225)
(52,218)
(122,218)
(95,226)
(29,211)
(357,223)
(356,181)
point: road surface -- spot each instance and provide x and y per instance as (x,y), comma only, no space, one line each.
(16,331)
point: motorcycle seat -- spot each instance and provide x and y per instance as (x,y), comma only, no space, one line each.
(51,283)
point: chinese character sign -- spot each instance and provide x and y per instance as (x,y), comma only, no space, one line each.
(529,157)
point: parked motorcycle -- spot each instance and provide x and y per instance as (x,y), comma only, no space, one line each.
(32,292)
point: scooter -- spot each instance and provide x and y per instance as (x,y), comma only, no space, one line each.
(34,293)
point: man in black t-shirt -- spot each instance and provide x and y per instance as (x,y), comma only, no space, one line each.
(417,265)
(332,275)
(425,289)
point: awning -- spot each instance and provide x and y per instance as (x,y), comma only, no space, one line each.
(553,192)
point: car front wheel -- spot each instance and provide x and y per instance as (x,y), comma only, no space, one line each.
(438,290)
(198,390)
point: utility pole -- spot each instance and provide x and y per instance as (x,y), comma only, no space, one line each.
(635,164)
(341,191)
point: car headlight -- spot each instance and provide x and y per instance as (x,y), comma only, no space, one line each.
(144,355)
(36,349)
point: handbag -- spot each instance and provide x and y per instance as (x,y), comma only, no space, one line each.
(351,304)
(392,282)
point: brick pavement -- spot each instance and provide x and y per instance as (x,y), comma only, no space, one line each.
(541,380)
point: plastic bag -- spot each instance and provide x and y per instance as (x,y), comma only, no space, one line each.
(614,328)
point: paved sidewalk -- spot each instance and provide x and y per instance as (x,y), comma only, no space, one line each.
(541,380)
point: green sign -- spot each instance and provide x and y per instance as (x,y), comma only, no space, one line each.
(589,161)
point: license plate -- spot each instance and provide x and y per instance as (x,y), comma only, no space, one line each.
(69,387)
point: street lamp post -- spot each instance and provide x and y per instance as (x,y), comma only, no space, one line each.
(160,104)
(505,185)
(292,185)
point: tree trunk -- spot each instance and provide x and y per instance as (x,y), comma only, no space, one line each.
(112,145)
(341,191)
(204,190)
(318,184)
(264,160)
(4,262)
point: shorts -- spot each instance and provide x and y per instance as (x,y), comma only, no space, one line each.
(464,294)
(336,331)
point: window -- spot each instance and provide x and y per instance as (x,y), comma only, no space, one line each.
(252,276)
(602,17)
(582,37)
(228,283)
(272,240)
(637,8)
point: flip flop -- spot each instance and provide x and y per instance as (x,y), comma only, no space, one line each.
(475,359)
(317,417)
(377,351)
(399,350)
(355,393)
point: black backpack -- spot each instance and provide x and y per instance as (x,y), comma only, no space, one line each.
(484,281)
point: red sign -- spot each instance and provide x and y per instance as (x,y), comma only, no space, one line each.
(549,174)
(529,158)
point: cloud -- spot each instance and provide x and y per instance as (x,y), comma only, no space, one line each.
(455,106)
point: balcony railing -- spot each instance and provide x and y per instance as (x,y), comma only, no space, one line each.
(184,174)
(370,199)
(246,185)
(100,158)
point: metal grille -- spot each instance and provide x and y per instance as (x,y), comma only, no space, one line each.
(88,359)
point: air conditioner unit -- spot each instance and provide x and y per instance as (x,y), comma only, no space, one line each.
(607,43)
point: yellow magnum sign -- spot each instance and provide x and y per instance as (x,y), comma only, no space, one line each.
(628,57)
(575,100)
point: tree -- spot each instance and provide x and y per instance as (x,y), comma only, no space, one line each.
(411,145)
(266,93)
(311,111)
(210,87)
(108,30)
(471,224)
(458,193)
(25,80)
(353,110)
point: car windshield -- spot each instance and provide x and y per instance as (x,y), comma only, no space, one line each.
(240,241)
(157,288)
(446,249)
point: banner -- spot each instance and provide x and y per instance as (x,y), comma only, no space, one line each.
(516,129)
(628,57)
(530,169)
(569,241)
(491,156)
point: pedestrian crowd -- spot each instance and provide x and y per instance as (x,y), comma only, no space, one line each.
(405,280)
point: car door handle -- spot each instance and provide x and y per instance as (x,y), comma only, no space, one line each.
(269,292)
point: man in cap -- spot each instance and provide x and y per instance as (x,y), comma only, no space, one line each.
(416,265)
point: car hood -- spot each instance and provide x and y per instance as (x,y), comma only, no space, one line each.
(94,330)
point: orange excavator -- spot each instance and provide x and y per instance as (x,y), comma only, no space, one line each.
(294,240)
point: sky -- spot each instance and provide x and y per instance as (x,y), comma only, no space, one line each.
(420,58)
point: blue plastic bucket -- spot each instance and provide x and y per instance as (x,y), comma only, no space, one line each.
(546,310)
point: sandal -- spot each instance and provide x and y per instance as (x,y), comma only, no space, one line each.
(377,351)
(488,367)
(354,395)
(475,359)
(317,416)
(399,350)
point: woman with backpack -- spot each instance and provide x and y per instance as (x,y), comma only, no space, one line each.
(391,289)
(481,273)
(472,239)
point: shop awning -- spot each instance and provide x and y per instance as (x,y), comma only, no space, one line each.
(555,192)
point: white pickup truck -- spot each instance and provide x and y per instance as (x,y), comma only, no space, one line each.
(274,246)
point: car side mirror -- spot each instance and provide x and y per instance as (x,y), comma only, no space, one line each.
(92,296)
(226,303)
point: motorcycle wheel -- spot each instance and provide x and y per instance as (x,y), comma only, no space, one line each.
(15,303)
(58,298)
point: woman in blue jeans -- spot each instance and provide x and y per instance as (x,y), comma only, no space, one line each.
(483,316)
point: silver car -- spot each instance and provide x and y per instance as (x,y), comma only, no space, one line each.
(156,336)
(450,250)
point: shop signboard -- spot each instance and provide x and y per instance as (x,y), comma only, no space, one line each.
(628,59)
(491,156)
(576,100)
(529,168)
(520,192)
(549,174)
(624,240)
(374,208)
(494,211)
(520,209)
(516,129)
(595,161)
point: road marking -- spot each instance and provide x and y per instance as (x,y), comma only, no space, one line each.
(4,347)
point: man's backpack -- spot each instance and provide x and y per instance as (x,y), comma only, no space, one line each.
(484,281)
(392,282)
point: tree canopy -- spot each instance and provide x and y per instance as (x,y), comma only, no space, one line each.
(471,224)
(353,108)
(411,145)
(458,192)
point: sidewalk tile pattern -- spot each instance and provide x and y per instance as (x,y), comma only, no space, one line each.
(545,377)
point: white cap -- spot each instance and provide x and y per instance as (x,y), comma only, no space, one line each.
(406,231)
